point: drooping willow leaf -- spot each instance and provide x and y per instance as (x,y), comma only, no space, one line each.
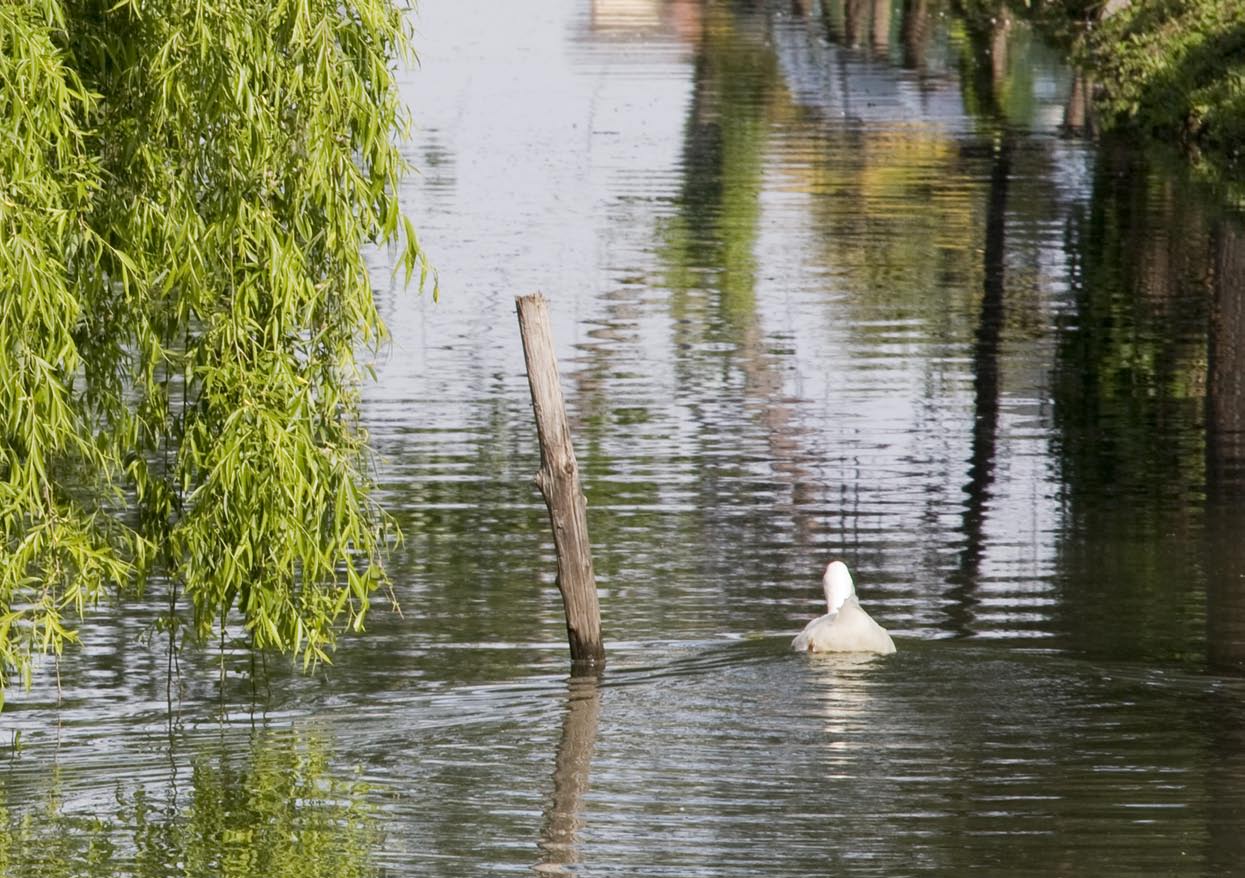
(185,191)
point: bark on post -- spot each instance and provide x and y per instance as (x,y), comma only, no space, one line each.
(558,480)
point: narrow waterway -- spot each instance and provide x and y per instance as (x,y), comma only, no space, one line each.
(828,279)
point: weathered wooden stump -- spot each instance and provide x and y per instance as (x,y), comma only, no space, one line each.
(558,480)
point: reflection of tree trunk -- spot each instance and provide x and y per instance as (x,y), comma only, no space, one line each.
(1225,454)
(985,391)
(988,81)
(881,31)
(854,12)
(1078,111)
(1225,541)
(913,30)
(998,53)
(559,851)
(1226,378)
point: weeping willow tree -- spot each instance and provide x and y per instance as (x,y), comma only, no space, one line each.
(185,314)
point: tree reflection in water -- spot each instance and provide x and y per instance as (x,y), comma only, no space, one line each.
(276,810)
(1225,453)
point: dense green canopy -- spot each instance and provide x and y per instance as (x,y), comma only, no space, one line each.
(1176,68)
(185,191)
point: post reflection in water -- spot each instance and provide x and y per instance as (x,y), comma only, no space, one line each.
(563,817)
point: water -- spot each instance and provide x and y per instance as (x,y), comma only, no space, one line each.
(827,280)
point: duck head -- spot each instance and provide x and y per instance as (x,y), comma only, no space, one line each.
(837,583)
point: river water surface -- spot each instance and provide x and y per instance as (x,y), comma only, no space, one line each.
(827,279)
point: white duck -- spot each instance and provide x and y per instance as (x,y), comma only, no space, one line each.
(847,627)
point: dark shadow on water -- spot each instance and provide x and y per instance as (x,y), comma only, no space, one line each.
(563,817)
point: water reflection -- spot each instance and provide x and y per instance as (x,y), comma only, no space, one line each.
(708,253)
(828,278)
(990,84)
(986,388)
(1129,383)
(840,687)
(270,805)
(857,23)
(564,815)
(914,32)
(1078,114)
(1225,451)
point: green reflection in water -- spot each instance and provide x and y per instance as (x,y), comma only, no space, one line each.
(278,809)
(1130,414)
(710,243)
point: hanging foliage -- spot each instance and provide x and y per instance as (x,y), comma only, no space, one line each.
(186,189)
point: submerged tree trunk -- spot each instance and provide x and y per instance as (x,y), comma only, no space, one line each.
(558,480)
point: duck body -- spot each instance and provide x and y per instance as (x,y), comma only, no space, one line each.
(847,627)
(851,629)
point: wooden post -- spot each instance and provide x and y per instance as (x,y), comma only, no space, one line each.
(558,480)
